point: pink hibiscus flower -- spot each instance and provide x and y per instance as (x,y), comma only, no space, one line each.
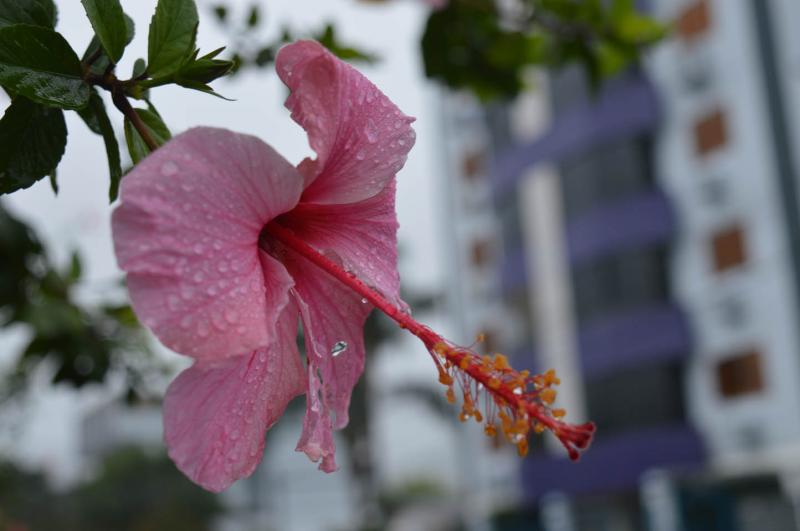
(228,247)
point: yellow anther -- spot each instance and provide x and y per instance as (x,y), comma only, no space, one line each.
(478,416)
(494,382)
(480,338)
(464,363)
(538,428)
(548,395)
(450,395)
(501,362)
(445,378)
(490,430)
(463,416)
(550,377)
(522,447)
(559,413)
(440,348)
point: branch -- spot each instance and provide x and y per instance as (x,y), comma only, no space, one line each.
(121,102)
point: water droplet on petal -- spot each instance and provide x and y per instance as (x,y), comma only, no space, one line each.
(217,245)
(198,277)
(198,248)
(361,155)
(169,168)
(338,348)
(222,267)
(202,329)
(364,301)
(371,131)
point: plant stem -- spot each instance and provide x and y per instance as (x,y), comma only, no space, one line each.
(121,102)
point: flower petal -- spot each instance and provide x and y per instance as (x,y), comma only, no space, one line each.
(333,324)
(215,415)
(362,235)
(187,235)
(361,138)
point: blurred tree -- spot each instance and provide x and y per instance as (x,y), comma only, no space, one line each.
(134,491)
(82,343)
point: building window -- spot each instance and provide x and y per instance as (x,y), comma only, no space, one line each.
(637,397)
(605,173)
(481,252)
(620,282)
(740,375)
(694,21)
(710,133)
(473,164)
(728,249)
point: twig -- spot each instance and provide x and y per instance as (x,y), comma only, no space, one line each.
(121,102)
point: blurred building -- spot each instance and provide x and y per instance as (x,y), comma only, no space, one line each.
(644,240)
(275,498)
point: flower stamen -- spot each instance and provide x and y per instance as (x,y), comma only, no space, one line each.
(522,402)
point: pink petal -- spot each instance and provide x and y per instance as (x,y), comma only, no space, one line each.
(331,315)
(362,235)
(216,414)
(187,234)
(361,138)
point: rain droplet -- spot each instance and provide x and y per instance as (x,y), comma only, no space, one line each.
(361,155)
(371,132)
(173,302)
(231,315)
(202,329)
(363,301)
(198,248)
(169,168)
(217,245)
(338,348)
(198,277)
(222,267)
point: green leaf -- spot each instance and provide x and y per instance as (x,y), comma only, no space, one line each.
(254,16)
(108,22)
(139,68)
(202,87)
(95,50)
(35,12)
(159,132)
(75,268)
(202,70)
(32,142)
(172,35)
(54,181)
(39,64)
(329,40)
(221,12)
(99,119)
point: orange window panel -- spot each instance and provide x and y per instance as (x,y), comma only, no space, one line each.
(741,375)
